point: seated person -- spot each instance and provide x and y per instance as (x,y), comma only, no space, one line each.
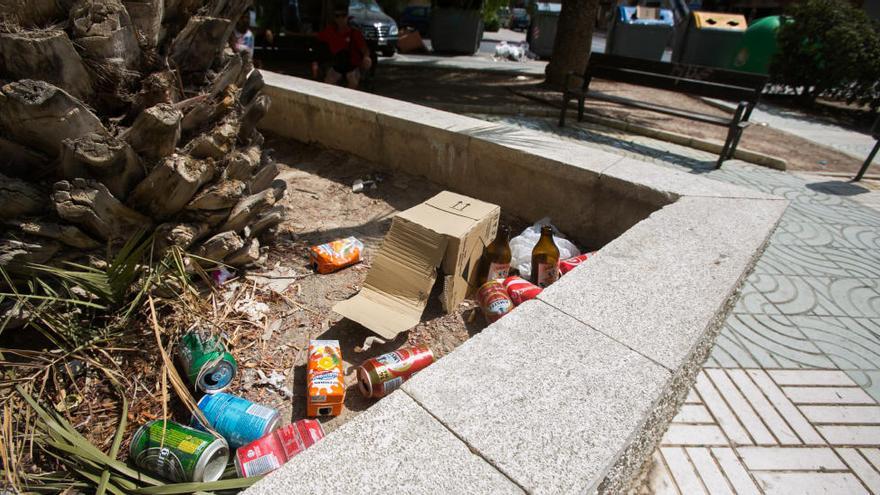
(347,50)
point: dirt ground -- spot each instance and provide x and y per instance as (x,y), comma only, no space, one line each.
(322,207)
(438,87)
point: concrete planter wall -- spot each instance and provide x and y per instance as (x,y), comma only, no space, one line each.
(570,392)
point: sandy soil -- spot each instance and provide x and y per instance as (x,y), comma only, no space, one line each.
(322,207)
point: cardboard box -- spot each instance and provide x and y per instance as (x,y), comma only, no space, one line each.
(410,42)
(325,379)
(647,12)
(448,231)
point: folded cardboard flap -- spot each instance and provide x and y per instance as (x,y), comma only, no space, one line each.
(449,230)
(399,281)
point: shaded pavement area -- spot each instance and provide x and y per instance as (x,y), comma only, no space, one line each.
(788,400)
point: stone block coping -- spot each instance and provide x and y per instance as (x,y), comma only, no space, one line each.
(571,392)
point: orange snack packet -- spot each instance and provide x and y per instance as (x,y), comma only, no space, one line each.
(325,379)
(337,254)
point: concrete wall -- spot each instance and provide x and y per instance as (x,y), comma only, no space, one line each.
(522,171)
(570,392)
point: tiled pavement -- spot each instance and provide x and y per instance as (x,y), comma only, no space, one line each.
(788,400)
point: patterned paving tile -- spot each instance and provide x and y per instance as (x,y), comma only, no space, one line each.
(827,449)
(773,341)
(823,296)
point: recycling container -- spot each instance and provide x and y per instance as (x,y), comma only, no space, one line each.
(640,32)
(542,30)
(710,39)
(758,46)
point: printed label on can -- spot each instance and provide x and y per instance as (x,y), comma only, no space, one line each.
(170,450)
(260,465)
(498,270)
(547,274)
(239,420)
(392,385)
(260,411)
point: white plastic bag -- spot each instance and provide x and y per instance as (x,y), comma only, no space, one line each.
(521,247)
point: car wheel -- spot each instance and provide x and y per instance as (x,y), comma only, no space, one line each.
(388,51)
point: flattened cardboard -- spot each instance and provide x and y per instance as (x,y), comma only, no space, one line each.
(399,282)
(449,230)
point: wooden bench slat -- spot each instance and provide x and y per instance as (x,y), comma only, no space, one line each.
(695,72)
(743,88)
(688,86)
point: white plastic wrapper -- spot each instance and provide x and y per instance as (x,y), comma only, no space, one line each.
(521,247)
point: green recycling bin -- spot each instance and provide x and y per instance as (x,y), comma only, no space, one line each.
(640,32)
(758,46)
(710,39)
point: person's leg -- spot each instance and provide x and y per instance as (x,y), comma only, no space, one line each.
(333,77)
(353,78)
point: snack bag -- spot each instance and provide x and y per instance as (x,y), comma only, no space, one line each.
(337,254)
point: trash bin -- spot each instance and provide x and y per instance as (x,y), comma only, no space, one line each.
(758,46)
(542,30)
(640,32)
(710,39)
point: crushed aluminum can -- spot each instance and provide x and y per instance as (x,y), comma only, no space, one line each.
(494,301)
(381,375)
(520,290)
(206,362)
(237,419)
(178,453)
(570,264)
(271,451)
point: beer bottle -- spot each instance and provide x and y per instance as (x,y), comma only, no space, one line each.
(545,259)
(496,259)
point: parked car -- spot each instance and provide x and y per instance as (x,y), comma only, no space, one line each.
(417,17)
(378,28)
(519,19)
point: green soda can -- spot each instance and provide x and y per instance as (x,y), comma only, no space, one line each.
(207,363)
(178,453)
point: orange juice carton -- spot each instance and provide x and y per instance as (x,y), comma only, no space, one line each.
(325,378)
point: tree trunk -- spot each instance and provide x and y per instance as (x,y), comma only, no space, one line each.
(49,53)
(134,109)
(574,36)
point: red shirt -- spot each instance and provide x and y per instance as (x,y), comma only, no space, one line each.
(351,39)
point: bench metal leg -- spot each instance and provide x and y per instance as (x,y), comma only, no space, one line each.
(565,100)
(734,133)
(581,109)
(867,163)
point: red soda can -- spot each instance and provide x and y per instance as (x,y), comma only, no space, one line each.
(268,453)
(494,301)
(520,290)
(380,376)
(570,264)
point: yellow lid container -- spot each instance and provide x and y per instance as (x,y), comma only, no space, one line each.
(717,20)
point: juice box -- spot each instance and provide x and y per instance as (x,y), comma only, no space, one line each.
(325,379)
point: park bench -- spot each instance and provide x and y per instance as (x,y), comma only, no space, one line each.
(875,133)
(742,88)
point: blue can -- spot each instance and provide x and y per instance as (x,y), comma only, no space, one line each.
(239,420)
